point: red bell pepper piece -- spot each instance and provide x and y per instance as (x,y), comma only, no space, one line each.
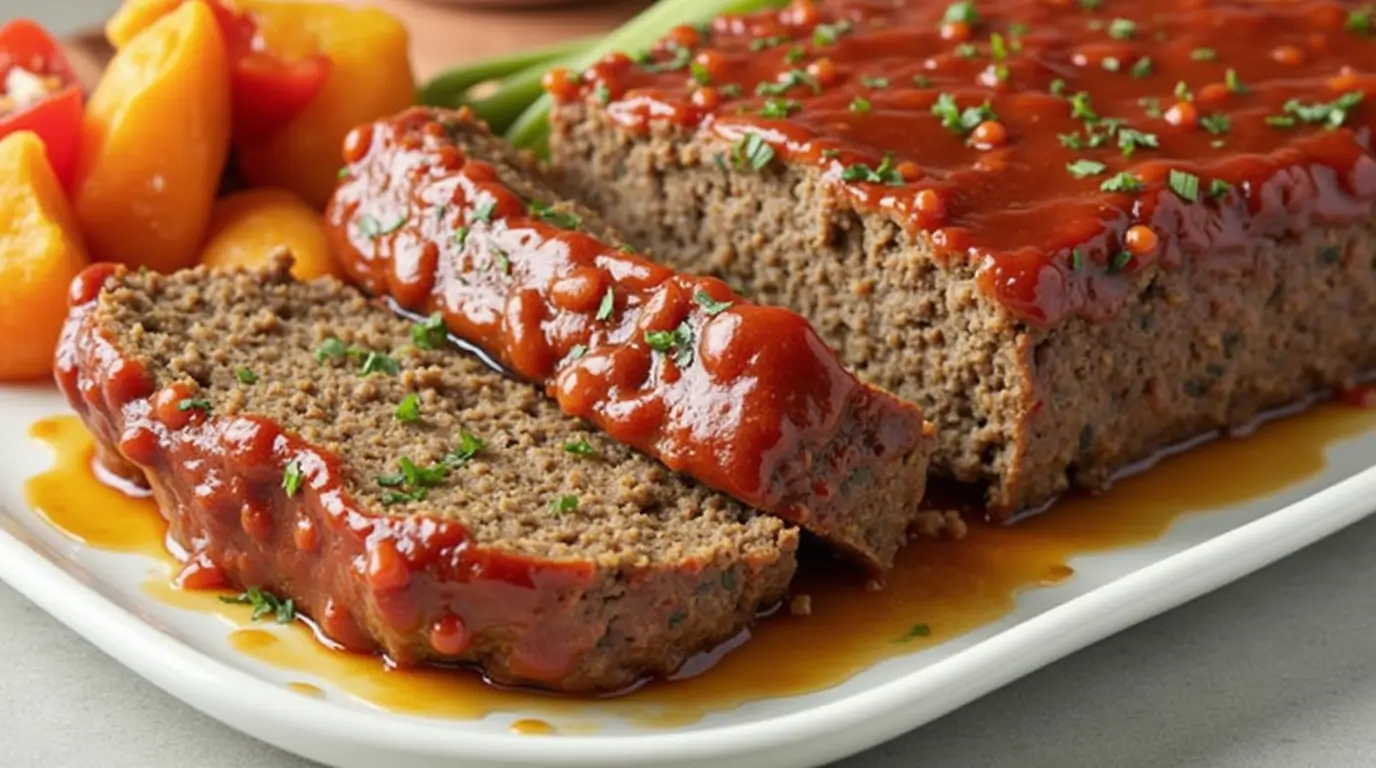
(55,116)
(266,90)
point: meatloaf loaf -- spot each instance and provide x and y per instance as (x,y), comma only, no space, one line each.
(437,213)
(1073,233)
(405,497)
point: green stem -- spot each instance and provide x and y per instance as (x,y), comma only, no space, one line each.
(512,97)
(531,129)
(450,88)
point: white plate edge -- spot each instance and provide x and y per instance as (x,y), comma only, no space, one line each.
(811,737)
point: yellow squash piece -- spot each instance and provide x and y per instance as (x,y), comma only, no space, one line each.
(370,77)
(40,253)
(154,142)
(248,227)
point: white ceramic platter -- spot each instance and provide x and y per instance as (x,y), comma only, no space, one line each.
(99,595)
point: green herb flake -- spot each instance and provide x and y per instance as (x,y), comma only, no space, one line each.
(1142,68)
(1120,262)
(423,477)
(552,215)
(958,120)
(377,362)
(1203,54)
(699,73)
(1359,21)
(1129,140)
(1280,121)
(730,90)
(779,108)
(1110,64)
(791,79)
(263,603)
(1182,91)
(430,333)
(1151,106)
(1070,140)
(1091,5)
(1122,182)
(1057,87)
(1122,29)
(1081,109)
(1219,188)
(752,151)
(859,105)
(922,81)
(679,60)
(1185,185)
(563,505)
(916,632)
(245,376)
(828,34)
(886,173)
(1083,168)
(1231,81)
(795,54)
(602,93)
(961,12)
(765,43)
(1330,114)
(292,478)
(484,211)
(578,351)
(409,409)
(966,51)
(580,447)
(875,82)
(193,404)
(1216,123)
(372,229)
(608,305)
(469,446)
(393,497)
(1077,260)
(461,237)
(710,305)
(330,349)
(679,340)
(343,173)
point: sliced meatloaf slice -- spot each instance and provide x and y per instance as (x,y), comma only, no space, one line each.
(437,213)
(982,213)
(406,497)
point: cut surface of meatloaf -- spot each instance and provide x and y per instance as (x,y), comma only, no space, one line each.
(409,500)
(1073,236)
(445,218)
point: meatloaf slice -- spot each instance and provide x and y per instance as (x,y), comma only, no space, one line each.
(406,497)
(1074,236)
(437,213)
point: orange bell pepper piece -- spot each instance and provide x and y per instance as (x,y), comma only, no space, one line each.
(154,143)
(268,86)
(248,227)
(50,104)
(370,77)
(40,254)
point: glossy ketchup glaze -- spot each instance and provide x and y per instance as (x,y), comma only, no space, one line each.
(937,591)
(744,398)
(1061,147)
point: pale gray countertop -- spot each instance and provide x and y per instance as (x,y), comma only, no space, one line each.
(1276,670)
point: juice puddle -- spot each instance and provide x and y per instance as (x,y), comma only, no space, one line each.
(939,589)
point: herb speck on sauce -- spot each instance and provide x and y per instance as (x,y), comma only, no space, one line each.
(915,632)
(263,603)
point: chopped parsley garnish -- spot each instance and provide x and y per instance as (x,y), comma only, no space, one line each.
(1280,121)
(608,305)
(579,447)
(548,213)
(1070,140)
(343,172)
(1219,188)
(860,106)
(1111,64)
(1186,185)
(1203,54)
(1081,109)
(730,90)
(246,376)
(263,603)
(875,82)
(1082,168)
(1151,105)
(795,54)
(372,229)
(602,93)
(827,34)
(791,79)
(710,305)
(1091,5)
(886,173)
(1182,91)
(922,81)
(469,445)
(422,477)
(1120,260)
(331,349)
(700,74)
(779,108)
(484,211)
(961,12)
(679,60)
(958,120)
(1329,114)
(1232,82)
(1122,182)
(1077,260)
(1142,67)
(500,259)
(1130,139)
(765,43)
(1216,123)
(461,237)
(430,333)
(377,362)
(966,51)
(193,404)
(409,409)
(292,477)
(1122,29)
(752,151)
(578,351)
(917,630)
(390,497)
(1359,21)
(679,339)
(1057,87)
(563,505)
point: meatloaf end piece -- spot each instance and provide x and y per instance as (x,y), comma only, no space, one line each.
(445,218)
(410,500)
(833,163)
